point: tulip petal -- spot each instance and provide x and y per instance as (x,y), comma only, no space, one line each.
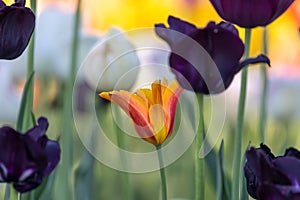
(259,59)
(16,27)
(132,104)
(214,38)
(269,192)
(281,7)
(157,121)
(2,4)
(39,130)
(250,13)
(146,95)
(170,100)
(177,31)
(292,152)
(52,151)
(290,167)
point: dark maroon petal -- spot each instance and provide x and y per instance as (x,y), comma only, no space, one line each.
(267,151)
(2,4)
(39,130)
(259,59)
(204,60)
(281,7)
(181,26)
(292,152)
(218,6)
(16,159)
(20,2)
(290,167)
(26,159)
(262,166)
(252,182)
(52,151)
(269,192)
(16,27)
(214,39)
(295,196)
(177,31)
(250,13)
(229,27)
(31,183)
(25,187)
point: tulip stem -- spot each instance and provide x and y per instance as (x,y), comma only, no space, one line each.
(162,173)
(19,196)
(199,162)
(238,139)
(7,192)
(263,101)
(27,122)
(65,184)
(121,144)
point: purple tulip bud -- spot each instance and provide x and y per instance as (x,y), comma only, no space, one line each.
(16,26)
(251,13)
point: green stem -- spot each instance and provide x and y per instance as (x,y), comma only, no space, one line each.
(162,173)
(27,122)
(199,163)
(67,136)
(121,144)
(238,139)
(263,101)
(7,192)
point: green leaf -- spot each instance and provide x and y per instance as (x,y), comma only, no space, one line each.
(84,177)
(223,191)
(33,118)
(244,193)
(22,112)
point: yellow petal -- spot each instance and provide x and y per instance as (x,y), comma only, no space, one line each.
(146,95)
(157,121)
(156,93)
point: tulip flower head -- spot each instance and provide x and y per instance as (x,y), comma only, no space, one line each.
(272,178)
(16,26)
(26,159)
(222,44)
(152,110)
(251,13)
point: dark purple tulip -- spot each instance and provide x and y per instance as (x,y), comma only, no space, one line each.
(272,178)
(25,159)
(251,13)
(220,42)
(16,26)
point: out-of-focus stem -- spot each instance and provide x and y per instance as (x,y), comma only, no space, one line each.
(263,101)
(238,139)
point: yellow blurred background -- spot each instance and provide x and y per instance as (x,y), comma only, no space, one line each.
(284,49)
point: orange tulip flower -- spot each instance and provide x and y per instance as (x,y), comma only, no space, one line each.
(151,110)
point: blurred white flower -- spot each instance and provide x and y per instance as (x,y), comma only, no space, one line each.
(112,64)
(54,32)
(9,97)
